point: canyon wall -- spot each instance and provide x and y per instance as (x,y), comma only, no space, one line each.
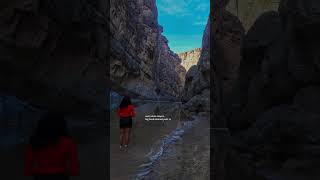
(272,108)
(53,54)
(190,58)
(279,82)
(196,92)
(228,34)
(249,10)
(141,60)
(171,72)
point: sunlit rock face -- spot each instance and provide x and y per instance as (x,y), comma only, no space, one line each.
(141,60)
(190,58)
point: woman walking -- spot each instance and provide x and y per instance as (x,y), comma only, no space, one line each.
(125,113)
(52,153)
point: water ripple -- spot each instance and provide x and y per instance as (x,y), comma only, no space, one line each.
(154,156)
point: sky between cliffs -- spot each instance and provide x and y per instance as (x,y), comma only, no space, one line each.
(183,22)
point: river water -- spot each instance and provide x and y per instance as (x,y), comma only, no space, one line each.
(146,136)
(148,140)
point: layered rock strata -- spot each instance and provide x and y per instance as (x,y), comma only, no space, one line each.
(190,58)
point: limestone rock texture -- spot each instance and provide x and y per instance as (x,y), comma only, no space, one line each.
(141,60)
(171,73)
(190,58)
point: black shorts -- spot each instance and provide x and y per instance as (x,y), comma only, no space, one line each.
(126,122)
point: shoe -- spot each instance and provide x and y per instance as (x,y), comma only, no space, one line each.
(120,147)
(125,146)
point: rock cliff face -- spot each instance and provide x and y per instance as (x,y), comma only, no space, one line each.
(196,92)
(228,36)
(171,73)
(53,54)
(282,88)
(141,60)
(190,58)
(249,10)
(272,108)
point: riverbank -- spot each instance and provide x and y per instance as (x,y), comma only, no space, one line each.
(188,158)
(146,138)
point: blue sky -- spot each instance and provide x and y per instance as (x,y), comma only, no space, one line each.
(183,22)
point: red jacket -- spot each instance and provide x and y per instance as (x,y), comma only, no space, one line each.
(53,159)
(126,112)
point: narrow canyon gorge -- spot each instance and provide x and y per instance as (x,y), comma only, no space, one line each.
(258,64)
(141,60)
(57,55)
(54,54)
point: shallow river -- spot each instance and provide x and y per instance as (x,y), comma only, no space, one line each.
(148,139)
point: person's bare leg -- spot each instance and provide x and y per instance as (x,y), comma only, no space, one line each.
(125,137)
(127,132)
(122,138)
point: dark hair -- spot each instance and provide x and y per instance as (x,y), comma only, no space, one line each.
(49,130)
(126,101)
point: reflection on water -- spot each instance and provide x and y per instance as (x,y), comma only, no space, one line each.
(146,139)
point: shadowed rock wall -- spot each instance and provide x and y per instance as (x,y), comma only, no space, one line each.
(141,60)
(271,110)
